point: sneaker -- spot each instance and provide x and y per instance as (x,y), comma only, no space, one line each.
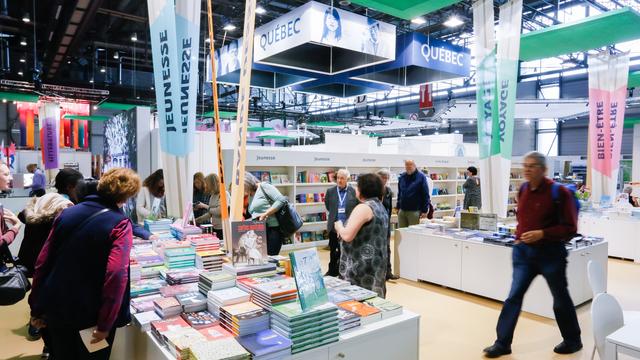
(393,277)
(34,334)
(495,351)
(565,348)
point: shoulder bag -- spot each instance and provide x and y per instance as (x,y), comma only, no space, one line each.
(288,218)
(14,283)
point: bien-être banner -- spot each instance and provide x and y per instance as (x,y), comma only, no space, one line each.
(608,76)
(174,27)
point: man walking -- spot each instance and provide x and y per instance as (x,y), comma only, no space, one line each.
(339,202)
(387,201)
(413,195)
(39,183)
(547,217)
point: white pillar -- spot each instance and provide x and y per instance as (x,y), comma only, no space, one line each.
(635,172)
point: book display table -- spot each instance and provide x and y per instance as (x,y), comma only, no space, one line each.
(393,338)
(484,269)
(619,230)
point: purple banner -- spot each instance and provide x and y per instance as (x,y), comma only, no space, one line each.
(50,143)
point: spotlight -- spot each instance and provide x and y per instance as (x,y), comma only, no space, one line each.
(453,21)
(23,60)
(471,122)
(418,21)
(20,73)
(95,107)
(229,27)
(91,81)
(26,18)
(116,55)
(103,70)
(260,10)
(134,37)
(527,121)
(23,41)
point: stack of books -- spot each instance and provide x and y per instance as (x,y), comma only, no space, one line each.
(331,282)
(179,257)
(267,291)
(266,345)
(248,282)
(251,269)
(144,303)
(175,290)
(387,308)
(153,271)
(160,328)
(167,307)
(357,293)
(224,349)
(192,302)
(337,297)
(200,320)
(181,276)
(347,320)
(135,272)
(215,281)
(244,318)
(210,260)
(215,333)
(224,297)
(178,342)
(306,329)
(368,314)
(146,287)
(181,232)
(148,259)
(204,242)
(156,226)
(144,319)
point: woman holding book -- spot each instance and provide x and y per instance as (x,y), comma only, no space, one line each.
(363,259)
(213,212)
(151,202)
(81,279)
(201,196)
(264,201)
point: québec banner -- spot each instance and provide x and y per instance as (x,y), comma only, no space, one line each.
(175,37)
(49,120)
(608,76)
(496,95)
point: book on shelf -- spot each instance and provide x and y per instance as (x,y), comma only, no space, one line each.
(249,243)
(308,276)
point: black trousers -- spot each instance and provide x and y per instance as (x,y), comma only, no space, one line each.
(334,255)
(550,261)
(274,240)
(66,344)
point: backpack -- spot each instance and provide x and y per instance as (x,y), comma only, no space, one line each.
(555,194)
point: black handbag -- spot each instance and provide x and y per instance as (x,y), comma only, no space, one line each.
(288,218)
(14,283)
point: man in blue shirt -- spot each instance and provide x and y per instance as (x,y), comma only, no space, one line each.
(39,183)
(413,195)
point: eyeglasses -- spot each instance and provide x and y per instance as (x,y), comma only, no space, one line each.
(531,166)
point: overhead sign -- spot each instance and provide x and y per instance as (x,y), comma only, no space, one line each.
(440,55)
(426,96)
(317,28)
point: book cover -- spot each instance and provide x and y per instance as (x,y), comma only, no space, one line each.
(308,275)
(227,348)
(166,303)
(216,332)
(292,311)
(357,293)
(170,324)
(264,342)
(200,319)
(359,308)
(249,243)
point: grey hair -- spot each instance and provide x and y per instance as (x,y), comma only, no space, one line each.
(539,158)
(383,172)
(344,172)
(250,183)
(627,189)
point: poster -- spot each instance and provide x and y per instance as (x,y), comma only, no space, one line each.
(120,143)
(249,243)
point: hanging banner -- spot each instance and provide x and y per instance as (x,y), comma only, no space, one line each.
(426,98)
(49,119)
(26,114)
(496,96)
(608,76)
(244,93)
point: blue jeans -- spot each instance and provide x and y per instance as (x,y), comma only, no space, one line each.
(550,261)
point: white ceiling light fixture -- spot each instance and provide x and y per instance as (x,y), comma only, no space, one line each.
(134,37)
(103,70)
(419,21)
(26,18)
(207,40)
(116,55)
(260,10)
(95,107)
(527,121)
(453,21)
(344,2)
(91,81)
(471,122)
(229,27)
(23,60)
(20,73)
(23,41)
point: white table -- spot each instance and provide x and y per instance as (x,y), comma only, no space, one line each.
(625,340)
(485,269)
(620,231)
(397,337)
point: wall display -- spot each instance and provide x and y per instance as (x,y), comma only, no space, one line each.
(331,39)
(608,76)
(496,91)
(120,142)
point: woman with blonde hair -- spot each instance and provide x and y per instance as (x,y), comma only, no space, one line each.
(213,213)
(200,196)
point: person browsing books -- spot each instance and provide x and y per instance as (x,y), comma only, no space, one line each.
(151,201)
(264,201)
(363,257)
(213,213)
(339,201)
(472,195)
(82,273)
(544,225)
(67,182)
(200,196)
(413,195)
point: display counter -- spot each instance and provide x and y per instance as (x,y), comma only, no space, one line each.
(485,269)
(619,229)
(397,337)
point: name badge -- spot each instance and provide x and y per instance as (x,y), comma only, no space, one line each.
(341,211)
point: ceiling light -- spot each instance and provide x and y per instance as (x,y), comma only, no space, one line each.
(103,70)
(95,107)
(20,73)
(229,27)
(23,60)
(100,49)
(418,21)
(68,61)
(344,2)
(91,81)
(26,18)
(134,37)
(207,40)
(436,133)
(260,10)
(471,122)
(453,21)
(23,42)
(4,101)
(527,121)
(457,132)
(152,88)
(116,55)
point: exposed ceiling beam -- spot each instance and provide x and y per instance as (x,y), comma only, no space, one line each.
(122,15)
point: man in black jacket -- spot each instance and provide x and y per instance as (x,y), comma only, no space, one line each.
(339,202)
(413,195)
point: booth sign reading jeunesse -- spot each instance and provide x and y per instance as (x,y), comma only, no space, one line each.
(304,39)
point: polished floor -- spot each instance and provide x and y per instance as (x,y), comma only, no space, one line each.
(453,325)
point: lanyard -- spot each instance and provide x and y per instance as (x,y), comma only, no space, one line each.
(342,198)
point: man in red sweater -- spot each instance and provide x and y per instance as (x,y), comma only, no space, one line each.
(544,224)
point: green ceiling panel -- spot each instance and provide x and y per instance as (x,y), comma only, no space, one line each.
(116,106)
(630,122)
(84,117)
(608,28)
(406,9)
(634,79)
(11,96)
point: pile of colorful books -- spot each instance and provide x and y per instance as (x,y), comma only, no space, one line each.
(244,318)
(181,232)
(266,345)
(224,297)
(167,307)
(306,329)
(210,260)
(215,281)
(192,302)
(156,226)
(179,257)
(181,276)
(200,320)
(368,314)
